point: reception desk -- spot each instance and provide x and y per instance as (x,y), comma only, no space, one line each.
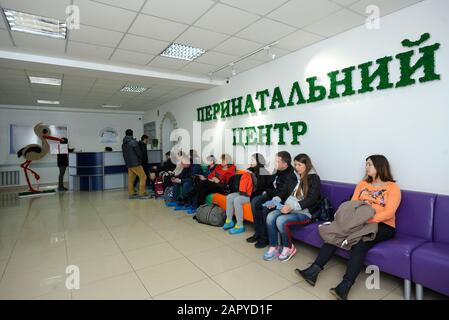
(96,171)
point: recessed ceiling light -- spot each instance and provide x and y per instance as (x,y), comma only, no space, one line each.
(47,102)
(49,81)
(183,52)
(134,89)
(30,23)
(109,106)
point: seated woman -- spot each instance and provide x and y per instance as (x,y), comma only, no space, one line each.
(235,200)
(216,181)
(297,210)
(380,191)
(210,163)
(184,182)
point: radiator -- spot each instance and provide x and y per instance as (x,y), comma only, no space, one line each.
(9,178)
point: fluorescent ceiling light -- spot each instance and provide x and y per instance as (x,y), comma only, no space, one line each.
(110,106)
(183,52)
(30,23)
(134,89)
(47,102)
(49,81)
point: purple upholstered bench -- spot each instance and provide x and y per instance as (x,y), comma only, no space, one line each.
(414,223)
(430,261)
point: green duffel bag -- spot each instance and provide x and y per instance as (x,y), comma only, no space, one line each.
(210,214)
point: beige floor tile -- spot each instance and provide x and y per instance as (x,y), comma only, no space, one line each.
(169,276)
(26,285)
(138,241)
(165,221)
(74,238)
(195,244)
(152,255)
(176,232)
(27,260)
(87,250)
(60,295)
(398,294)
(224,236)
(11,225)
(102,267)
(248,250)
(120,219)
(3,264)
(130,230)
(292,293)
(218,260)
(7,243)
(122,287)
(251,281)
(202,290)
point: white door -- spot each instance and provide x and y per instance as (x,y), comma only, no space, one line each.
(167,128)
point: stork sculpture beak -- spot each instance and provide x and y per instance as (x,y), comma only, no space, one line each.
(52,138)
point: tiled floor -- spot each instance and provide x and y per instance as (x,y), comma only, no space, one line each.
(140,249)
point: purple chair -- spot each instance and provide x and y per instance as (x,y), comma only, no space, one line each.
(430,262)
(414,221)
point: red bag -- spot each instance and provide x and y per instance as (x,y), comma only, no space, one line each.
(159,187)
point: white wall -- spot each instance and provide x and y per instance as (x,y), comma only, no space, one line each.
(408,125)
(83,128)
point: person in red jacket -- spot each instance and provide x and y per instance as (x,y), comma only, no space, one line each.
(216,181)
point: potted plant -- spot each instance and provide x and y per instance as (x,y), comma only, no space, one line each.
(154,143)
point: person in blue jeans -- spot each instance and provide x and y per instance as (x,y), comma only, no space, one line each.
(281,186)
(297,210)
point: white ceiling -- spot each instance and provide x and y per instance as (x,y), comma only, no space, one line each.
(132,33)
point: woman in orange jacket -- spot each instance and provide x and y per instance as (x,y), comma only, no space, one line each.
(380,191)
(235,200)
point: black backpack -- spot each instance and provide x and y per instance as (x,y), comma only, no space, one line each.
(325,211)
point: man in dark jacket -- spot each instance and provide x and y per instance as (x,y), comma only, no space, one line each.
(63,162)
(283,182)
(132,154)
(143,149)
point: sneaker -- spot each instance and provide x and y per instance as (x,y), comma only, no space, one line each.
(287,253)
(272,253)
(237,230)
(228,225)
(191,211)
(172,204)
(132,196)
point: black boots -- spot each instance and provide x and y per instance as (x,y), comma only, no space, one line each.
(342,290)
(261,243)
(252,239)
(310,274)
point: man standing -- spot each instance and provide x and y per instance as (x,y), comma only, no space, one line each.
(143,149)
(63,163)
(133,160)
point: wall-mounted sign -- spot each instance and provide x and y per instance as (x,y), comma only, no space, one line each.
(108,135)
(341,85)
